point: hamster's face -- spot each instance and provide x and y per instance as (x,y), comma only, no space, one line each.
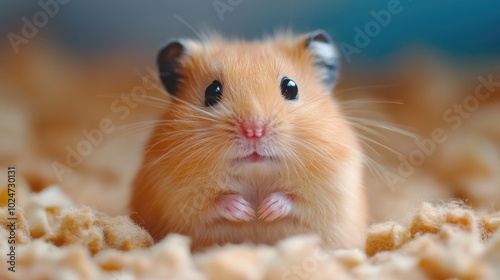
(252,108)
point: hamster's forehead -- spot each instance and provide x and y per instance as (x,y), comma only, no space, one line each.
(242,62)
(237,56)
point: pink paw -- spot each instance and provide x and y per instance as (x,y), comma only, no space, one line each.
(235,208)
(275,206)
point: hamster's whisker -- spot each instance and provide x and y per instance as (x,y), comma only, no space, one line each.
(145,101)
(184,147)
(153,104)
(384,125)
(361,136)
(286,152)
(371,163)
(369,101)
(310,148)
(192,106)
(329,121)
(373,166)
(118,96)
(355,89)
(195,118)
(168,135)
(360,128)
(201,155)
(353,114)
(367,128)
(147,124)
(210,117)
(138,125)
(159,100)
(135,129)
(367,145)
(307,102)
(170,130)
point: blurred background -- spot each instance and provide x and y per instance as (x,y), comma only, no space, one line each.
(411,71)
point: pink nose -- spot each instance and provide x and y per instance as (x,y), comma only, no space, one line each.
(253,130)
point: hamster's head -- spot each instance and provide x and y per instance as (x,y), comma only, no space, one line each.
(252,109)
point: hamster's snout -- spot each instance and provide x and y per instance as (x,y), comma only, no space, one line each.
(254,141)
(253,129)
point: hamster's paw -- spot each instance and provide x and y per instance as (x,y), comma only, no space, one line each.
(275,206)
(235,208)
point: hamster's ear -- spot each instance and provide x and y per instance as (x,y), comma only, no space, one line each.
(325,55)
(168,64)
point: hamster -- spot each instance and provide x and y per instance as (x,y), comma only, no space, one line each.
(252,147)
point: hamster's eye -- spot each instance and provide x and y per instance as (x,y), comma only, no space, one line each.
(213,93)
(289,89)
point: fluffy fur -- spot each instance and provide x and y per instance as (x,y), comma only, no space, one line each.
(190,159)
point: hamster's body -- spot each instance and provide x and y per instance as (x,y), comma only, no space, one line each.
(240,156)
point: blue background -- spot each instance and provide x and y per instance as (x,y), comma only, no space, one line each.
(460,28)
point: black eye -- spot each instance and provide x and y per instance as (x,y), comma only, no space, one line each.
(213,93)
(289,89)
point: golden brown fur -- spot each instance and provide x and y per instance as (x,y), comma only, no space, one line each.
(188,161)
